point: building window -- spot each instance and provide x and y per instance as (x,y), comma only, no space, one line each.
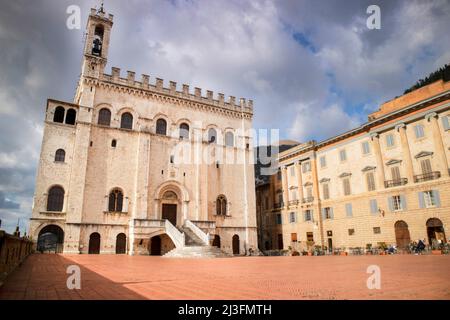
(446,122)
(306,166)
(104,117)
(309,237)
(184,131)
(60,155)
(212,135)
(342,155)
(419,131)
(71,116)
(292,171)
(308,215)
(365,147)
(58,116)
(294,237)
(161,127)
(426,166)
(292,217)
(429,199)
(279,175)
(346,186)
(351,232)
(229,139)
(376,230)
(370,181)
(221,205)
(396,203)
(55,199)
(326,191)
(395,173)
(115,200)
(390,140)
(309,193)
(349,210)
(126,121)
(323,162)
(373,206)
(114,143)
(294,195)
(266,202)
(279,218)
(327,213)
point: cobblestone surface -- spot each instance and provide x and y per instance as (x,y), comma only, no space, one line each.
(147,277)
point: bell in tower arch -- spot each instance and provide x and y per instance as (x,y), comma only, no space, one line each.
(97,42)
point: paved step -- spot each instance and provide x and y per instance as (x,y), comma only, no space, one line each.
(196,252)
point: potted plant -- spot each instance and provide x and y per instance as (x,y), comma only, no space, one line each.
(368,248)
(343,252)
(383,247)
(436,249)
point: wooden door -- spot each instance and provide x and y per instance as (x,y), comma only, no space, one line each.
(280,241)
(235,244)
(402,236)
(155,247)
(121,243)
(94,243)
(169,212)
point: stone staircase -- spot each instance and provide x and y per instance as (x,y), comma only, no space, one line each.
(194,247)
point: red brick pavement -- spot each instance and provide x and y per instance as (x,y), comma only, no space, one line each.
(146,277)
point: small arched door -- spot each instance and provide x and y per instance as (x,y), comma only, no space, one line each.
(51,239)
(402,236)
(155,246)
(121,243)
(435,231)
(235,244)
(216,241)
(94,243)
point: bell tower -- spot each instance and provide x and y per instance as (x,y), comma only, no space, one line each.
(98,31)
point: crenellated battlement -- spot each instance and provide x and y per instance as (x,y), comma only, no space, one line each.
(157,86)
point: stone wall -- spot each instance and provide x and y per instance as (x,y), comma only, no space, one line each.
(13,251)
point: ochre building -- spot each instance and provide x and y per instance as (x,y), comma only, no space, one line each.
(386,181)
(140,167)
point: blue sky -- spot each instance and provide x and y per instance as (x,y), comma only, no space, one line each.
(312,68)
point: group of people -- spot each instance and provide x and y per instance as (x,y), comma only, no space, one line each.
(418,246)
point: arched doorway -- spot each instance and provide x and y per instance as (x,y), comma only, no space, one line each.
(402,236)
(235,244)
(216,241)
(94,243)
(169,207)
(155,246)
(435,231)
(51,239)
(121,243)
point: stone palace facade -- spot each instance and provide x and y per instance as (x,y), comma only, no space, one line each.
(140,168)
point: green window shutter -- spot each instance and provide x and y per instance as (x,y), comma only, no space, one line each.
(331,213)
(373,207)
(390,204)
(437,198)
(445,122)
(421,200)
(323,214)
(349,209)
(403,200)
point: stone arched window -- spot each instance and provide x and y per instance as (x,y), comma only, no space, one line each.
(60,155)
(115,200)
(59,114)
(55,199)
(71,116)
(184,131)
(229,139)
(221,205)
(104,117)
(126,121)
(161,127)
(212,135)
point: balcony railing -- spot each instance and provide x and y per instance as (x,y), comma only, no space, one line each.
(278,205)
(293,202)
(308,199)
(395,183)
(427,176)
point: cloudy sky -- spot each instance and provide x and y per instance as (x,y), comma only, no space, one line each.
(313,68)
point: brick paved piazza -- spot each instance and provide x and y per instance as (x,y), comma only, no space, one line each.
(147,277)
